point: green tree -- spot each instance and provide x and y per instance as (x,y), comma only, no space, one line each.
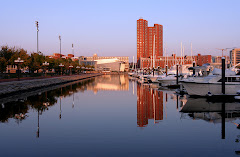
(35,61)
(3,64)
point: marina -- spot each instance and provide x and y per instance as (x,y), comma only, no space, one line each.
(91,118)
(120,78)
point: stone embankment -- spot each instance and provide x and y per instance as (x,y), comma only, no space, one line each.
(7,88)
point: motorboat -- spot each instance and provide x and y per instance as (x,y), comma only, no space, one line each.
(154,78)
(212,84)
(167,80)
(143,78)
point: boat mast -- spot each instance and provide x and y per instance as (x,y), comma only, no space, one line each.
(154,51)
(181,53)
(165,55)
(133,63)
(191,53)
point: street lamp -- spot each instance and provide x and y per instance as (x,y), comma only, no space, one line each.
(45,64)
(70,68)
(78,67)
(18,62)
(37,34)
(83,68)
(61,65)
(60,44)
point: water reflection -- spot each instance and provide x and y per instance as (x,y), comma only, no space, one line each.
(41,102)
(104,123)
(110,82)
(211,112)
(17,106)
(220,112)
(149,105)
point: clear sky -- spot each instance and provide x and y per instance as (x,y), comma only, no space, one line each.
(108,28)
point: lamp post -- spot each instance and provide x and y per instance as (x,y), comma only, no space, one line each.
(37,34)
(61,65)
(78,67)
(18,62)
(60,45)
(83,69)
(45,64)
(70,68)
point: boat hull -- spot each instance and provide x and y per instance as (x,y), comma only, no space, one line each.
(202,89)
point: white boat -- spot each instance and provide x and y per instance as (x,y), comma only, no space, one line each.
(212,84)
(143,78)
(154,78)
(167,80)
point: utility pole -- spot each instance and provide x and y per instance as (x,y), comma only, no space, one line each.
(37,34)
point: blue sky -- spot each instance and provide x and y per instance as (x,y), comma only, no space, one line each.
(108,28)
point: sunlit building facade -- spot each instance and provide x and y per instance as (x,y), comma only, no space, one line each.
(149,38)
(235,56)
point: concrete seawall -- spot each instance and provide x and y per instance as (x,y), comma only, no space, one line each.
(13,87)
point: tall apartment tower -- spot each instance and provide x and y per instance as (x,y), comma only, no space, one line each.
(145,39)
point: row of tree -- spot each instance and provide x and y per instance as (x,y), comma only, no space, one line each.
(34,61)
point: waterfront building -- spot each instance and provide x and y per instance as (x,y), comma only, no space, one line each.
(145,41)
(108,63)
(58,55)
(173,60)
(235,56)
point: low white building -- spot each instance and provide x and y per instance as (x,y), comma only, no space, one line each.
(109,65)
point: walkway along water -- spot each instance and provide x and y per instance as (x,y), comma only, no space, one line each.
(20,86)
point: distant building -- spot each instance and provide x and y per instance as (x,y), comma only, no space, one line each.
(145,40)
(235,56)
(57,56)
(103,62)
(162,61)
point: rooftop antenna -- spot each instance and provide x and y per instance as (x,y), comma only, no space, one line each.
(181,52)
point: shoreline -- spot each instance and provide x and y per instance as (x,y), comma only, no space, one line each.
(14,87)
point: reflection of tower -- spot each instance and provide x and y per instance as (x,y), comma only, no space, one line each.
(60,114)
(149,105)
(159,105)
(142,119)
(166,100)
(223,120)
(71,92)
(73,101)
(38,130)
(133,86)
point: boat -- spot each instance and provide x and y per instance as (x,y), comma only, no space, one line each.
(154,78)
(171,78)
(212,84)
(143,78)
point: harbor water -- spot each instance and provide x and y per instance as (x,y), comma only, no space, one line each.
(113,115)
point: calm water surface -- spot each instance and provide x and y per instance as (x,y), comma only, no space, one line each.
(116,116)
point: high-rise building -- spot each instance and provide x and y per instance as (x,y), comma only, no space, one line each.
(145,40)
(235,56)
